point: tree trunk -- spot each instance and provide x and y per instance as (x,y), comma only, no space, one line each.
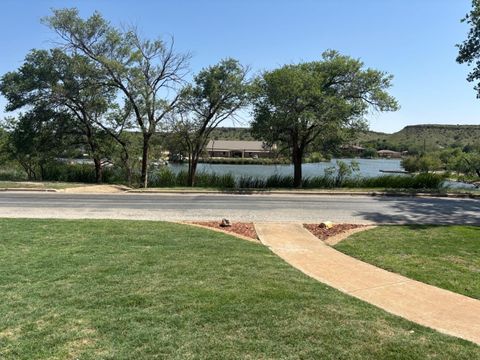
(28,170)
(146,146)
(192,169)
(128,171)
(42,172)
(297,157)
(126,164)
(98,170)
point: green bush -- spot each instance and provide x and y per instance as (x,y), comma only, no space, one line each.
(69,173)
(164,178)
(84,173)
(12,174)
(423,163)
(315,157)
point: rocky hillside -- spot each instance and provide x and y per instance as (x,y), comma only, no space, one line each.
(428,137)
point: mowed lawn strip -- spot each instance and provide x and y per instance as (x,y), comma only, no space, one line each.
(138,290)
(444,256)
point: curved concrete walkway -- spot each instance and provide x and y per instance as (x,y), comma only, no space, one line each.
(439,309)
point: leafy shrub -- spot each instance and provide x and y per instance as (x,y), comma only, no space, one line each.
(12,174)
(423,163)
(315,157)
(84,173)
(69,173)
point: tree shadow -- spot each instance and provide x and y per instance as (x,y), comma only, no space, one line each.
(417,210)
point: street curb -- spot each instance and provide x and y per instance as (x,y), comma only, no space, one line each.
(322,193)
(29,189)
(273,192)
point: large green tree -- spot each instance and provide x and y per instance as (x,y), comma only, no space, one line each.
(35,138)
(218,92)
(297,104)
(469,50)
(147,72)
(469,53)
(54,82)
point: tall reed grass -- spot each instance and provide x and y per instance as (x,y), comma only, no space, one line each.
(167,178)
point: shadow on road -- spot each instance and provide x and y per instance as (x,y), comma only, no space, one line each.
(426,211)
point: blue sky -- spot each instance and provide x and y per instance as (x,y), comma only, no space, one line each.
(412,39)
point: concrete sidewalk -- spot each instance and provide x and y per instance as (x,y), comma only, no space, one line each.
(439,309)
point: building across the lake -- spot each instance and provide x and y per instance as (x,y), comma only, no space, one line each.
(239,149)
(389,154)
(354,149)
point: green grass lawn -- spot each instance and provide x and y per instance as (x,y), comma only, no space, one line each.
(444,256)
(143,290)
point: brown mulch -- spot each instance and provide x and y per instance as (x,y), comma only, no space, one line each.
(324,234)
(245,229)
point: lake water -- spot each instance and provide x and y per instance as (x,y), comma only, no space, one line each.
(368,168)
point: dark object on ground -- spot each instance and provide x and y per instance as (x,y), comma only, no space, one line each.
(225,223)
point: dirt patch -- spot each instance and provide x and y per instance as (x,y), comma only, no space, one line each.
(103,189)
(243,229)
(336,233)
(10,333)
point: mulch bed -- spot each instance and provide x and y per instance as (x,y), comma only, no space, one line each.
(245,229)
(324,234)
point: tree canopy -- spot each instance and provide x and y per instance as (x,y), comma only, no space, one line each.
(147,72)
(297,104)
(52,82)
(216,94)
(469,50)
(103,79)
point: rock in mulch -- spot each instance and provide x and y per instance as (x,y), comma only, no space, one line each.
(245,229)
(225,223)
(324,233)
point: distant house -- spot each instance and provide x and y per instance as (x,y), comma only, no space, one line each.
(353,149)
(390,154)
(239,149)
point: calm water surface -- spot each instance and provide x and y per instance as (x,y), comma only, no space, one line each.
(368,168)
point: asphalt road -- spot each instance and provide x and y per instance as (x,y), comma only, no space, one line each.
(306,208)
